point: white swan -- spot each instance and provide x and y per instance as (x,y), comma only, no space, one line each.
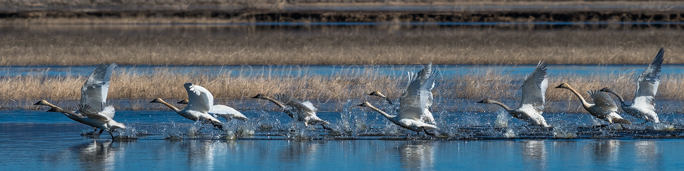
(200,103)
(425,84)
(299,111)
(223,111)
(532,101)
(92,109)
(643,105)
(414,103)
(603,108)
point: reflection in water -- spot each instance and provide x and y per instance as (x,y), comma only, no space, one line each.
(417,155)
(606,151)
(534,153)
(97,155)
(647,155)
(299,152)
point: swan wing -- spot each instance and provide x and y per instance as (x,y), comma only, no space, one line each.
(310,105)
(411,105)
(199,98)
(292,102)
(603,100)
(534,88)
(94,91)
(225,110)
(647,84)
(427,80)
(91,112)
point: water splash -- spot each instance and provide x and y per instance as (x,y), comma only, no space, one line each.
(501,119)
(509,133)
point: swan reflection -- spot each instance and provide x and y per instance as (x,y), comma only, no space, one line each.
(97,155)
(605,151)
(417,155)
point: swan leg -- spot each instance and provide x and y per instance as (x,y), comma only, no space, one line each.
(110,134)
(431,134)
(101,130)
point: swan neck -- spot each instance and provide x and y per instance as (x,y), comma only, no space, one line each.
(60,110)
(622,101)
(275,102)
(584,102)
(174,108)
(381,112)
(500,104)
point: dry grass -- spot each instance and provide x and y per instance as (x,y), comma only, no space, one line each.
(327,91)
(217,45)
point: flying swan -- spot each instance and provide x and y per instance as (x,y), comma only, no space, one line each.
(300,111)
(643,105)
(199,105)
(92,109)
(603,108)
(226,112)
(424,81)
(532,101)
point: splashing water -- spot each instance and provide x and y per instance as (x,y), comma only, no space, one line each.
(509,133)
(501,119)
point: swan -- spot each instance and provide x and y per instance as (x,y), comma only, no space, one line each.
(414,103)
(223,111)
(200,103)
(643,105)
(427,83)
(532,101)
(299,111)
(92,109)
(604,107)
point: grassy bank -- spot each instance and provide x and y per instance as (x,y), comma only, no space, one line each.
(329,92)
(216,45)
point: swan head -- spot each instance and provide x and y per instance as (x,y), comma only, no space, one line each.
(377,93)
(364,104)
(184,101)
(157,100)
(187,85)
(563,85)
(485,101)
(259,96)
(606,89)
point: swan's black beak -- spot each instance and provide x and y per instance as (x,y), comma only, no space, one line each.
(360,104)
(559,86)
(257,96)
(481,101)
(37,103)
(605,89)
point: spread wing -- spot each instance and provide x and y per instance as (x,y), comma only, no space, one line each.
(225,110)
(199,98)
(90,112)
(412,101)
(603,100)
(534,88)
(94,91)
(647,84)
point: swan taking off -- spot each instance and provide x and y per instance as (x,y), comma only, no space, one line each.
(223,111)
(92,109)
(604,107)
(414,103)
(300,111)
(532,101)
(424,84)
(643,105)
(199,105)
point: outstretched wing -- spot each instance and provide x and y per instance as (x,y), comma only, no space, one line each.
(200,99)
(413,100)
(94,91)
(534,88)
(647,84)
(603,100)
(223,111)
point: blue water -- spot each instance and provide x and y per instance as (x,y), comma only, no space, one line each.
(36,140)
(296,70)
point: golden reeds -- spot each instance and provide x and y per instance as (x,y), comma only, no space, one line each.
(321,90)
(223,45)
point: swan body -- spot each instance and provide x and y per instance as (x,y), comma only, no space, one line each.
(92,109)
(532,101)
(414,103)
(199,105)
(299,111)
(424,85)
(603,108)
(643,105)
(226,112)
